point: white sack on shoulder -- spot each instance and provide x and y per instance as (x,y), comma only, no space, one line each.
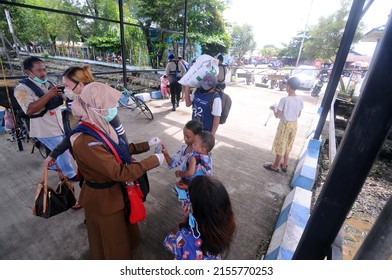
(204,64)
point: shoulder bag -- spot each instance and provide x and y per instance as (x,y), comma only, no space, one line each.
(49,202)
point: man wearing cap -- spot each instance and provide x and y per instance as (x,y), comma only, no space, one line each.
(174,70)
(206,103)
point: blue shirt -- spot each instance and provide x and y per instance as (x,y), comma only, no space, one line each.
(202,109)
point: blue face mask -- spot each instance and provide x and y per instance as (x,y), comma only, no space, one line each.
(40,81)
(193,225)
(112,112)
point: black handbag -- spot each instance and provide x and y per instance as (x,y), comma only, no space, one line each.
(49,202)
(144,185)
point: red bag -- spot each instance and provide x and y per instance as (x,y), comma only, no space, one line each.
(135,196)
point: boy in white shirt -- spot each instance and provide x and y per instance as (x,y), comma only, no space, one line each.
(288,111)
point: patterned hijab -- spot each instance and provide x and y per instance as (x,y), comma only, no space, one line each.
(95,99)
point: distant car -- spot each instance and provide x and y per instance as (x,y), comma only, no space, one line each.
(307,75)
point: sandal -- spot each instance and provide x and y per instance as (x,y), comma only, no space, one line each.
(283,169)
(268,166)
(77,206)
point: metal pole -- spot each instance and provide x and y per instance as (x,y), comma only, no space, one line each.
(341,57)
(123,55)
(369,126)
(7,15)
(378,242)
(185,27)
(6,53)
(303,36)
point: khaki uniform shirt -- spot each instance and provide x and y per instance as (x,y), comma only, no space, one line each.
(98,165)
(171,69)
(50,124)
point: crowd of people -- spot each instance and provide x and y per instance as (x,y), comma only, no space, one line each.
(208,225)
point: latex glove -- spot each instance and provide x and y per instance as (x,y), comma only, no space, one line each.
(154,141)
(160,157)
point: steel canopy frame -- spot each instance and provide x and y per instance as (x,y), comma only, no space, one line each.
(120,21)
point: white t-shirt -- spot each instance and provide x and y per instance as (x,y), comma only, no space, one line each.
(291,106)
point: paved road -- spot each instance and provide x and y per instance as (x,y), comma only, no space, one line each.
(243,145)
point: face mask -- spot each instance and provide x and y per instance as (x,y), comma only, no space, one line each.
(70,94)
(193,225)
(40,81)
(112,112)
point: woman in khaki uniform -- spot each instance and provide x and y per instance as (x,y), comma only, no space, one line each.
(110,234)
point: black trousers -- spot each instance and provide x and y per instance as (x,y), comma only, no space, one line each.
(175,92)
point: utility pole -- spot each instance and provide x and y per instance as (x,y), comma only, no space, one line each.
(7,15)
(185,27)
(6,52)
(303,35)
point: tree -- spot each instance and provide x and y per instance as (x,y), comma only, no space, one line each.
(242,40)
(203,23)
(270,50)
(325,37)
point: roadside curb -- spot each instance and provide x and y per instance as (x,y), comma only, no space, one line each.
(295,211)
(290,225)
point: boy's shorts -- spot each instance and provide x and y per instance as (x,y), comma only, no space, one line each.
(284,137)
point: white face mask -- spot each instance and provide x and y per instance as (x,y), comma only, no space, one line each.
(70,94)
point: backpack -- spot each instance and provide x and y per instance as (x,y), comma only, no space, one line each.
(173,76)
(224,73)
(226,104)
(186,66)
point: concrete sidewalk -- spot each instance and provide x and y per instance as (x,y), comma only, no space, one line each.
(243,145)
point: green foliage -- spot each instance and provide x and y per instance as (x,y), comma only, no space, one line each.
(270,50)
(110,44)
(325,37)
(242,39)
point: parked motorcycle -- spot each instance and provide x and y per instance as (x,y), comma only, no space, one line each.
(282,84)
(317,87)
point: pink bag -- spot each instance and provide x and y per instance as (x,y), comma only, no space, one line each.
(8,120)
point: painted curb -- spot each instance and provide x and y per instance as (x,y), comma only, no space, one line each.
(305,172)
(290,225)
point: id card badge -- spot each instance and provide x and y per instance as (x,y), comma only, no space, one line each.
(181,194)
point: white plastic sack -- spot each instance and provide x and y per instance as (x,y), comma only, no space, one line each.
(204,64)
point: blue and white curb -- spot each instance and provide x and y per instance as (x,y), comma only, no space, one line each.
(290,225)
(305,173)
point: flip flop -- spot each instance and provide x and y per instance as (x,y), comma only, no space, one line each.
(268,166)
(77,206)
(283,169)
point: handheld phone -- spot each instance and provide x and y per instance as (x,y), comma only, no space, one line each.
(61,88)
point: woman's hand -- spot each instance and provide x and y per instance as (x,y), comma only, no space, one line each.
(182,185)
(49,161)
